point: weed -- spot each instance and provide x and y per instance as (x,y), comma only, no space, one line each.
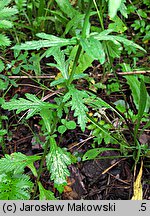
(72,56)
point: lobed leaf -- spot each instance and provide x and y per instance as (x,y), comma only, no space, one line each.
(57,161)
(60,59)
(21,4)
(7,12)
(4,3)
(5,24)
(4,40)
(77,104)
(32,103)
(117,25)
(15,187)
(16,162)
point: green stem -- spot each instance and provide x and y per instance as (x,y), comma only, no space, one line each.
(83,35)
(41,168)
(4,149)
(74,65)
(99,12)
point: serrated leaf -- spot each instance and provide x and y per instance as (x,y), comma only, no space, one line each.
(57,161)
(15,187)
(4,3)
(16,162)
(32,103)
(5,24)
(60,59)
(4,40)
(113,6)
(50,41)
(77,104)
(118,25)
(66,97)
(45,194)
(21,4)
(7,12)
(93,48)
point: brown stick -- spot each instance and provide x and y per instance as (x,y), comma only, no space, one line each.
(99,75)
(32,77)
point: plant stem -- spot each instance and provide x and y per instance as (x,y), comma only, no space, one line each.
(99,12)
(74,65)
(41,167)
(83,35)
(4,150)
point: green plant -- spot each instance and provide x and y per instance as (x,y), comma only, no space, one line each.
(5,20)
(141,25)
(40,15)
(70,59)
(15,185)
(66,125)
(6,23)
(2,133)
(59,158)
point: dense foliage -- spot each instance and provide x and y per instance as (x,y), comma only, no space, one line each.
(70,38)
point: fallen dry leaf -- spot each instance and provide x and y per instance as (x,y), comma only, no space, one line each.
(138,193)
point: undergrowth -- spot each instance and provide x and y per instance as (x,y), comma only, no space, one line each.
(70,47)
